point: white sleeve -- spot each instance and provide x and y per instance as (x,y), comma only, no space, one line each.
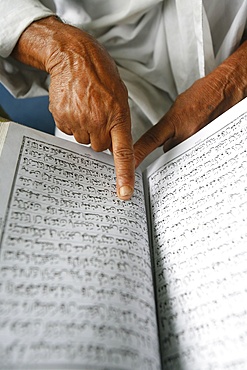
(15,17)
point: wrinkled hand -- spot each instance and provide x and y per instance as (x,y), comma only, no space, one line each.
(87,97)
(206,99)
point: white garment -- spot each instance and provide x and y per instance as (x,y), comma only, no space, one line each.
(160,47)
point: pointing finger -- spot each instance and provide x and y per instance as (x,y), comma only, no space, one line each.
(122,149)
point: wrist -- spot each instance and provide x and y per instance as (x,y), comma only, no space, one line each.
(38,42)
(234,72)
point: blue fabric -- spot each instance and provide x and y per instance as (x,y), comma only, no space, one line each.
(31,112)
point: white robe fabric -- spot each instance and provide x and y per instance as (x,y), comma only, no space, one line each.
(160,47)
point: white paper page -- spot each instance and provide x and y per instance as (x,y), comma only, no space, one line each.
(76,284)
(198,209)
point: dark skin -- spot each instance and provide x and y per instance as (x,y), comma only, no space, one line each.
(205,100)
(89,100)
(87,97)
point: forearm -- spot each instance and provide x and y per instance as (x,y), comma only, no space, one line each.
(218,91)
(234,74)
(229,81)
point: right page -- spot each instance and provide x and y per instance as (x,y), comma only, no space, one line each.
(198,225)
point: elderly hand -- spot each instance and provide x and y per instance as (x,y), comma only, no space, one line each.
(206,99)
(87,97)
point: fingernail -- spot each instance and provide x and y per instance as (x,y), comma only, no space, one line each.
(125,191)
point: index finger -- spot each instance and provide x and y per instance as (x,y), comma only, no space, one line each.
(123,153)
(156,136)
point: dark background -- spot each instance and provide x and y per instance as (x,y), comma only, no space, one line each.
(32,112)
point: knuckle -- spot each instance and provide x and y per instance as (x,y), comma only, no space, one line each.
(140,152)
(121,119)
(120,111)
(82,139)
(123,155)
(154,137)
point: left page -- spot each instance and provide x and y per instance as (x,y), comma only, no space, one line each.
(76,284)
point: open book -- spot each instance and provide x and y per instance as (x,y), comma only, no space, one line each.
(88,283)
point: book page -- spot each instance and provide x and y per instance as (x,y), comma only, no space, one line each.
(198,212)
(76,286)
